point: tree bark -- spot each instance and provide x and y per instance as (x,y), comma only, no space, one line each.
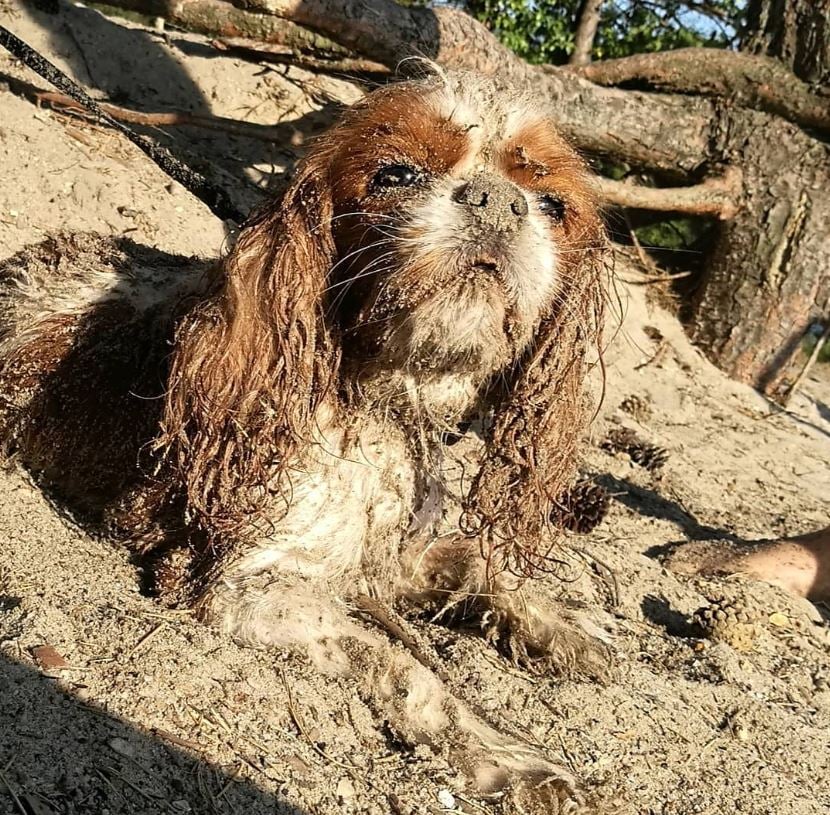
(796,32)
(668,134)
(756,82)
(586,32)
(215,17)
(768,277)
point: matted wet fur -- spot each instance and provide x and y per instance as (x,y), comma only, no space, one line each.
(270,432)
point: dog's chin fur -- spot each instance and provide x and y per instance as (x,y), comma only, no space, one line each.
(287,456)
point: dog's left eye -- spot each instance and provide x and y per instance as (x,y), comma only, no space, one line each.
(552,206)
(396,175)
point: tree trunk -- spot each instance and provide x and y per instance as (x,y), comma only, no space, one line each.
(769,276)
(586,32)
(797,32)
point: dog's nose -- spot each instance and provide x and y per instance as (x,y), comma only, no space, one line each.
(493,201)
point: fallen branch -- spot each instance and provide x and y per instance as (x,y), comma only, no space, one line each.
(215,199)
(710,198)
(667,134)
(217,18)
(749,81)
(716,197)
(65,104)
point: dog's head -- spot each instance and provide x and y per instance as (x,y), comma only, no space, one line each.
(457,212)
(441,227)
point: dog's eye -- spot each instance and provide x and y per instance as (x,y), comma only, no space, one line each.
(553,207)
(396,175)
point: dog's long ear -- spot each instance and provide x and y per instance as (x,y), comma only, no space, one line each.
(253,365)
(532,445)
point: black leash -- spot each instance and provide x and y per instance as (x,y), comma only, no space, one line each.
(217,201)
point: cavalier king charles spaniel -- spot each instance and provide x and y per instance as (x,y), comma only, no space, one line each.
(273,432)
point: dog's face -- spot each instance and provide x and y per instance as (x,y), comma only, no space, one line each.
(457,211)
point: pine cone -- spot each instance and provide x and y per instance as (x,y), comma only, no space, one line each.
(648,455)
(636,406)
(624,440)
(727,621)
(583,508)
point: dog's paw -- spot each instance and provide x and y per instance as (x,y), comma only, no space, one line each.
(528,785)
(552,796)
(542,640)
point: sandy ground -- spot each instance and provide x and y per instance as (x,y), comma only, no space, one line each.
(146,711)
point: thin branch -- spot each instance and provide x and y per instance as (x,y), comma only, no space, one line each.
(716,197)
(65,104)
(750,81)
(807,366)
(283,55)
(586,32)
(217,201)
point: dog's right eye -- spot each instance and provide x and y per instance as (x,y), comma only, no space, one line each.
(396,175)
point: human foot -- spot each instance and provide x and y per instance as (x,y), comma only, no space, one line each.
(800,565)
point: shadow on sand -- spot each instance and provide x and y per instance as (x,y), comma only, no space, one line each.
(60,755)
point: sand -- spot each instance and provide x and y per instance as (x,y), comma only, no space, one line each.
(131,708)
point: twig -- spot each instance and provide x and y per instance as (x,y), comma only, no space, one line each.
(295,717)
(135,787)
(177,740)
(215,199)
(649,280)
(656,357)
(811,360)
(12,793)
(65,104)
(610,576)
(655,274)
(283,55)
(109,783)
(146,638)
(385,619)
(645,260)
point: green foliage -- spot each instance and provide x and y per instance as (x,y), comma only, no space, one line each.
(542,31)
(537,30)
(809,342)
(673,234)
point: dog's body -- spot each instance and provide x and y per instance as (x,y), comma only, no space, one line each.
(434,259)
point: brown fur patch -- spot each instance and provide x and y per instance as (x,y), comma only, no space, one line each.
(80,396)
